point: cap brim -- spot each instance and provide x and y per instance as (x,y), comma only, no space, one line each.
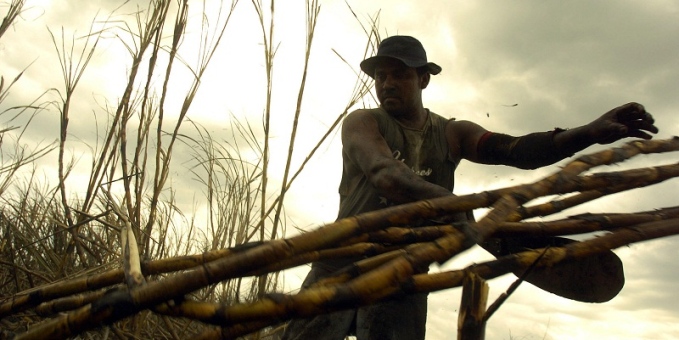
(368,66)
(433,68)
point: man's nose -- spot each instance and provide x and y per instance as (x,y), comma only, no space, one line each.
(388,82)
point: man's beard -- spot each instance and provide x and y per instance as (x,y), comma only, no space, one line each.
(394,110)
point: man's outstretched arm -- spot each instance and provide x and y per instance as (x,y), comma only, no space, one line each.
(543,148)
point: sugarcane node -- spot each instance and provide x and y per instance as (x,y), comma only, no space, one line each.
(519,196)
(118,302)
(596,218)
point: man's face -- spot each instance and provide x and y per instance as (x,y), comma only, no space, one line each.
(399,87)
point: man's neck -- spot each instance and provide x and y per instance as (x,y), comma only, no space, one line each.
(415,121)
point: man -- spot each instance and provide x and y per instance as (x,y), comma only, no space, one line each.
(402,152)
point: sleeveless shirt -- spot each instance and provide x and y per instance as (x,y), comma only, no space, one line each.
(424,151)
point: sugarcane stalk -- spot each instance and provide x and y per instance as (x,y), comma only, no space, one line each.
(389,278)
(322,299)
(471,324)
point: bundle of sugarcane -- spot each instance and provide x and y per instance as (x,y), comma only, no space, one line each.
(392,252)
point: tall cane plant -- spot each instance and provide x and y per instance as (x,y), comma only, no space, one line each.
(126,214)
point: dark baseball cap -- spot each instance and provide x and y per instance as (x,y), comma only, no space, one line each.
(404,48)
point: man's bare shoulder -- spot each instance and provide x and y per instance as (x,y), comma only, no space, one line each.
(360,116)
(463,126)
(358,125)
(363,112)
(463,137)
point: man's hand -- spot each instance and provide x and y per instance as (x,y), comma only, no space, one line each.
(629,120)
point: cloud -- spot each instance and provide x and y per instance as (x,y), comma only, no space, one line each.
(563,63)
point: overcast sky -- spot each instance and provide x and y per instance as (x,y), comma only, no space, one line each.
(563,63)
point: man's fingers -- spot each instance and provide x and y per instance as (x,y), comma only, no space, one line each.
(648,117)
(629,120)
(642,125)
(638,134)
(638,129)
(634,111)
(637,120)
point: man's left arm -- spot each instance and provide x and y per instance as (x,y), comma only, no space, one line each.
(629,120)
(543,148)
